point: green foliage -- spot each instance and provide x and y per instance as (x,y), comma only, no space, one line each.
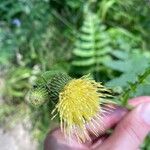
(10,115)
(124,40)
(91,46)
(131,16)
(127,66)
(5,110)
(17,83)
(133,86)
(7,45)
(32,32)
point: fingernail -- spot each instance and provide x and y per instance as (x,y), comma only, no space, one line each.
(145,113)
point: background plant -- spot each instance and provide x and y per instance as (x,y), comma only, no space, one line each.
(92,47)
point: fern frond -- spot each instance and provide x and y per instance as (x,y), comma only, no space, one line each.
(92,45)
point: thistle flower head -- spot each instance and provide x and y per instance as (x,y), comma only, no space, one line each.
(79,102)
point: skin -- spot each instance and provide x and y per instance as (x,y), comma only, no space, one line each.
(130,129)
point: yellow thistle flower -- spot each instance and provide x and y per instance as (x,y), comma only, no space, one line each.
(79,102)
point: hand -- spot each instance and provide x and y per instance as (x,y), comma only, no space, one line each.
(130,130)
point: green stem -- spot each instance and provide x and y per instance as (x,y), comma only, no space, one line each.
(133,86)
(127,106)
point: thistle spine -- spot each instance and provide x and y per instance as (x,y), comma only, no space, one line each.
(57,84)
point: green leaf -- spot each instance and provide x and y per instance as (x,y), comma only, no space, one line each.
(92,46)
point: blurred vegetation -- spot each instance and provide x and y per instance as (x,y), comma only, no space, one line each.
(107,38)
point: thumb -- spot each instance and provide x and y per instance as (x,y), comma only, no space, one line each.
(131,131)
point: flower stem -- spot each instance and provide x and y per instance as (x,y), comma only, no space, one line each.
(133,87)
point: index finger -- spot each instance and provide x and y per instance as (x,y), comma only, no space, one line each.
(110,119)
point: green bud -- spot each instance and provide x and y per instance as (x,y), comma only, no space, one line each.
(50,89)
(37,96)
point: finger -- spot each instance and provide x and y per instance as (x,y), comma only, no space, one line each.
(108,121)
(139,100)
(100,125)
(99,141)
(56,136)
(56,141)
(114,117)
(131,131)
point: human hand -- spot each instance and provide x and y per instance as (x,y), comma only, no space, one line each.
(130,130)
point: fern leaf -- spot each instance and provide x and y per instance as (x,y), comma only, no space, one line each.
(92,45)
